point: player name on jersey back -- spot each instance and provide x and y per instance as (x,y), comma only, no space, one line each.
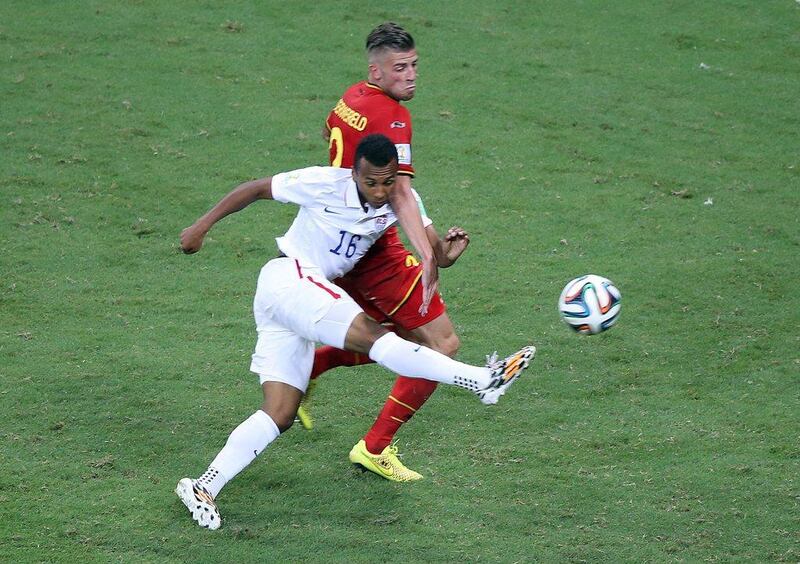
(349,116)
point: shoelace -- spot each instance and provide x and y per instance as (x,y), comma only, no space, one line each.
(393,449)
(401,471)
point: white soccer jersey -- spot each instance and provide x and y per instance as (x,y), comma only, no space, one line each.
(332,230)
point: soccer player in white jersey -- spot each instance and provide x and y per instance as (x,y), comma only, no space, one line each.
(342,212)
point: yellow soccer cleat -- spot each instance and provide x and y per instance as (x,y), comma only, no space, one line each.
(304,410)
(305,418)
(386,464)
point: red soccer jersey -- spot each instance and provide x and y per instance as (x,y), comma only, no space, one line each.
(385,281)
(365,109)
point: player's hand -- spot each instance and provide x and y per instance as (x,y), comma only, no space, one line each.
(456,242)
(430,283)
(192,238)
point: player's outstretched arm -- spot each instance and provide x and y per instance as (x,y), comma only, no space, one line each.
(238,199)
(447,250)
(407,211)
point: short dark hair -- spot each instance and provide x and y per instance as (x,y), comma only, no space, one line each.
(389,37)
(377,149)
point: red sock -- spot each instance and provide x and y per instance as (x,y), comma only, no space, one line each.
(327,357)
(406,398)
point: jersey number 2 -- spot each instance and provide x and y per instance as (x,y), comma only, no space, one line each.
(336,140)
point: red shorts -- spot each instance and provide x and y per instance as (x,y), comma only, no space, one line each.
(386,283)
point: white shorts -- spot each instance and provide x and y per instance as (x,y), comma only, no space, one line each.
(294,308)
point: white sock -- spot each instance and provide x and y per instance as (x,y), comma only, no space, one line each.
(245,443)
(416,361)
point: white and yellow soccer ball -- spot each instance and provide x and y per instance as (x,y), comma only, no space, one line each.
(590,304)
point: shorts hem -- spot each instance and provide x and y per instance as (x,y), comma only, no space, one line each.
(267,377)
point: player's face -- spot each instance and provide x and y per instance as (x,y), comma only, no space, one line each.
(375,182)
(395,73)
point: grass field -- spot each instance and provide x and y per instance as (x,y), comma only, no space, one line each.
(652,143)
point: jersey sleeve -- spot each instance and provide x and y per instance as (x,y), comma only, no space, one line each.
(302,187)
(394,121)
(426,221)
(400,133)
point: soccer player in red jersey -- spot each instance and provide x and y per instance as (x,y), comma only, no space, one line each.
(389,281)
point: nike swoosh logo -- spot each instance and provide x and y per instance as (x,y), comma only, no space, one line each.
(331,211)
(417,349)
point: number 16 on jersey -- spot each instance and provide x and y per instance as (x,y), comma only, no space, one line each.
(348,249)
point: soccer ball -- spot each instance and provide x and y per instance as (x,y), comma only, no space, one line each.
(590,304)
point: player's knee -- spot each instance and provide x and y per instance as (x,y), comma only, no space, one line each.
(283,417)
(447,344)
(280,403)
(285,424)
(450,345)
(362,334)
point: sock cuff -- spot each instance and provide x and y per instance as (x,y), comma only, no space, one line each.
(383,345)
(265,420)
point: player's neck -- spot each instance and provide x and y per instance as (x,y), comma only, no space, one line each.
(373,85)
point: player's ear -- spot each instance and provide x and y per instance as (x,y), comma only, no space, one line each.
(374,73)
